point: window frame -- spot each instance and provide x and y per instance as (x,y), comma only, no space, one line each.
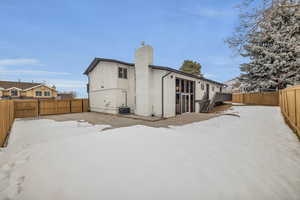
(122,73)
(40,92)
(46,93)
(13,91)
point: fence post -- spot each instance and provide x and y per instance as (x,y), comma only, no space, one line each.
(70,104)
(287,104)
(38,107)
(296,119)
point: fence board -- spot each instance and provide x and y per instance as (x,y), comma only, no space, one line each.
(237,98)
(33,108)
(26,108)
(297,108)
(6,119)
(52,107)
(290,107)
(11,109)
(85,105)
(76,105)
(264,98)
(63,106)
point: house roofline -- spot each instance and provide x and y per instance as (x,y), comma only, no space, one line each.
(39,86)
(13,88)
(183,73)
(95,62)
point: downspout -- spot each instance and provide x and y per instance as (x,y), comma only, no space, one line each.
(88,91)
(162,93)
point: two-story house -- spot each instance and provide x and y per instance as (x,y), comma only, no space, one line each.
(147,89)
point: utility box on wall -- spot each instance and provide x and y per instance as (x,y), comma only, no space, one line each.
(124,110)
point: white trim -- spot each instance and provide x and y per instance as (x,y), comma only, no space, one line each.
(39,86)
(13,88)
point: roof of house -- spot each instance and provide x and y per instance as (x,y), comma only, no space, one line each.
(66,95)
(97,60)
(20,85)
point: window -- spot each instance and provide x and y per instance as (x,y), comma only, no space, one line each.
(187,86)
(47,93)
(38,93)
(125,73)
(14,93)
(191,87)
(122,73)
(213,88)
(177,85)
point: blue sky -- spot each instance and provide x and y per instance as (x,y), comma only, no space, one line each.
(54,41)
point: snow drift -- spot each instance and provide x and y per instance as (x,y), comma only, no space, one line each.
(255,156)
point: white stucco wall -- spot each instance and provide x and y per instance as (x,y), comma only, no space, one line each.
(108,92)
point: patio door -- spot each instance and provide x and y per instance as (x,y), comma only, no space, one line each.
(185,96)
(185,103)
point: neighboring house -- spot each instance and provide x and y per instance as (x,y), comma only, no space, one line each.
(147,89)
(234,86)
(65,95)
(25,90)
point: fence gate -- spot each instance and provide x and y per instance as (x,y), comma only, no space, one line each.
(26,108)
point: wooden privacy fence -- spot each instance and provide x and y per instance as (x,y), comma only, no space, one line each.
(6,119)
(11,109)
(259,98)
(33,108)
(290,106)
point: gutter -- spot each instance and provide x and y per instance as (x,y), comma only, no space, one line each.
(162,94)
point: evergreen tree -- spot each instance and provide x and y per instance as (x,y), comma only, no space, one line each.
(273,49)
(191,67)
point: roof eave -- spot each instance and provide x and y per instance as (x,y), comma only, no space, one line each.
(97,60)
(38,86)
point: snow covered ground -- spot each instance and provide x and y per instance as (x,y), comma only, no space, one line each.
(255,156)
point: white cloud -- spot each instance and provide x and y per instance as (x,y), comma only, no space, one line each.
(64,83)
(208,12)
(30,72)
(224,60)
(209,76)
(20,62)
